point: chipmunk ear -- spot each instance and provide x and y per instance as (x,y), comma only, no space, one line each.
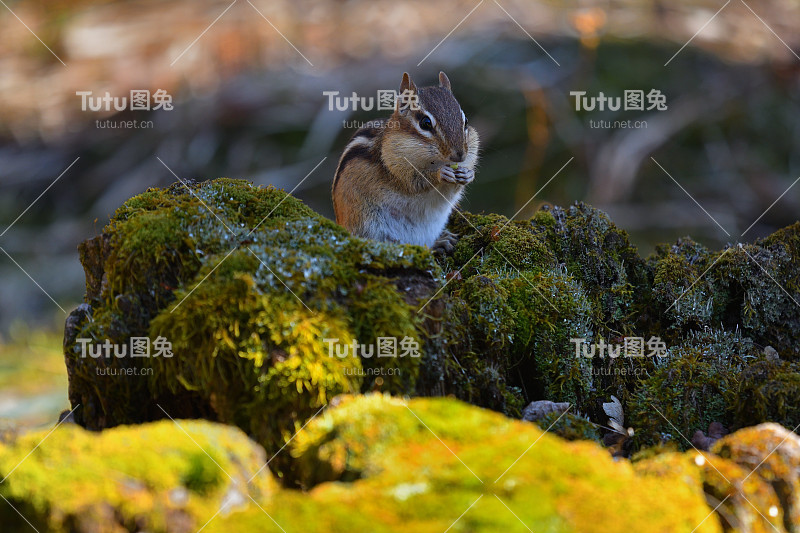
(408,93)
(444,81)
(407,84)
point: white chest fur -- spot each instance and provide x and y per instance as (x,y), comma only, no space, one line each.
(418,220)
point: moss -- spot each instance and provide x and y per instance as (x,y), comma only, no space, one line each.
(694,385)
(570,427)
(247,284)
(713,376)
(524,290)
(742,502)
(768,390)
(151,477)
(380,463)
(772,454)
(752,287)
(417,465)
(676,286)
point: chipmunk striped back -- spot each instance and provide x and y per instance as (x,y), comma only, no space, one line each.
(364,145)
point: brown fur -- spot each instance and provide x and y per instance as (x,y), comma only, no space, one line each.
(384,183)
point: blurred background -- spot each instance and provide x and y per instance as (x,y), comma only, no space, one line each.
(247,80)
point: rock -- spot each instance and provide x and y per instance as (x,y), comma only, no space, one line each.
(380,463)
(738,503)
(750,477)
(383,457)
(66,417)
(715,432)
(155,477)
(570,426)
(248,283)
(535,411)
(771,453)
(771,354)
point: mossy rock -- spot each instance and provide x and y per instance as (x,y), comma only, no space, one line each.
(381,464)
(247,283)
(741,502)
(771,453)
(385,464)
(753,287)
(156,477)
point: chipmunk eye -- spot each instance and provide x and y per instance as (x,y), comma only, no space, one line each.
(466,122)
(425,123)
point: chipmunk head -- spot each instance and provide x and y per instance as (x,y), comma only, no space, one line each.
(428,126)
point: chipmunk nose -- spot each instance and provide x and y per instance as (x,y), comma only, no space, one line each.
(458,157)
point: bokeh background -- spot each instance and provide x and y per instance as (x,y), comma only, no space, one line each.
(247,80)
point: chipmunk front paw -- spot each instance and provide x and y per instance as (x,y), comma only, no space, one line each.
(459,176)
(464,175)
(445,244)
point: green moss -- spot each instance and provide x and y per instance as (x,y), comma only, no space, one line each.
(684,297)
(570,427)
(418,465)
(753,287)
(695,384)
(525,289)
(768,390)
(253,290)
(141,477)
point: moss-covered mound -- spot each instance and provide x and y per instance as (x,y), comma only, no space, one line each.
(382,464)
(372,463)
(522,292)
(418,465)
(154,477)
(256,294)
(262,300)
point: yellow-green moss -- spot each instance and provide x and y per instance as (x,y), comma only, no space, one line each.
(387,464)
(247,284)
(392,465)
(742,502)
(146,477)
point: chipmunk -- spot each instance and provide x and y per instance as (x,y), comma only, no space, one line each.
(399,179)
